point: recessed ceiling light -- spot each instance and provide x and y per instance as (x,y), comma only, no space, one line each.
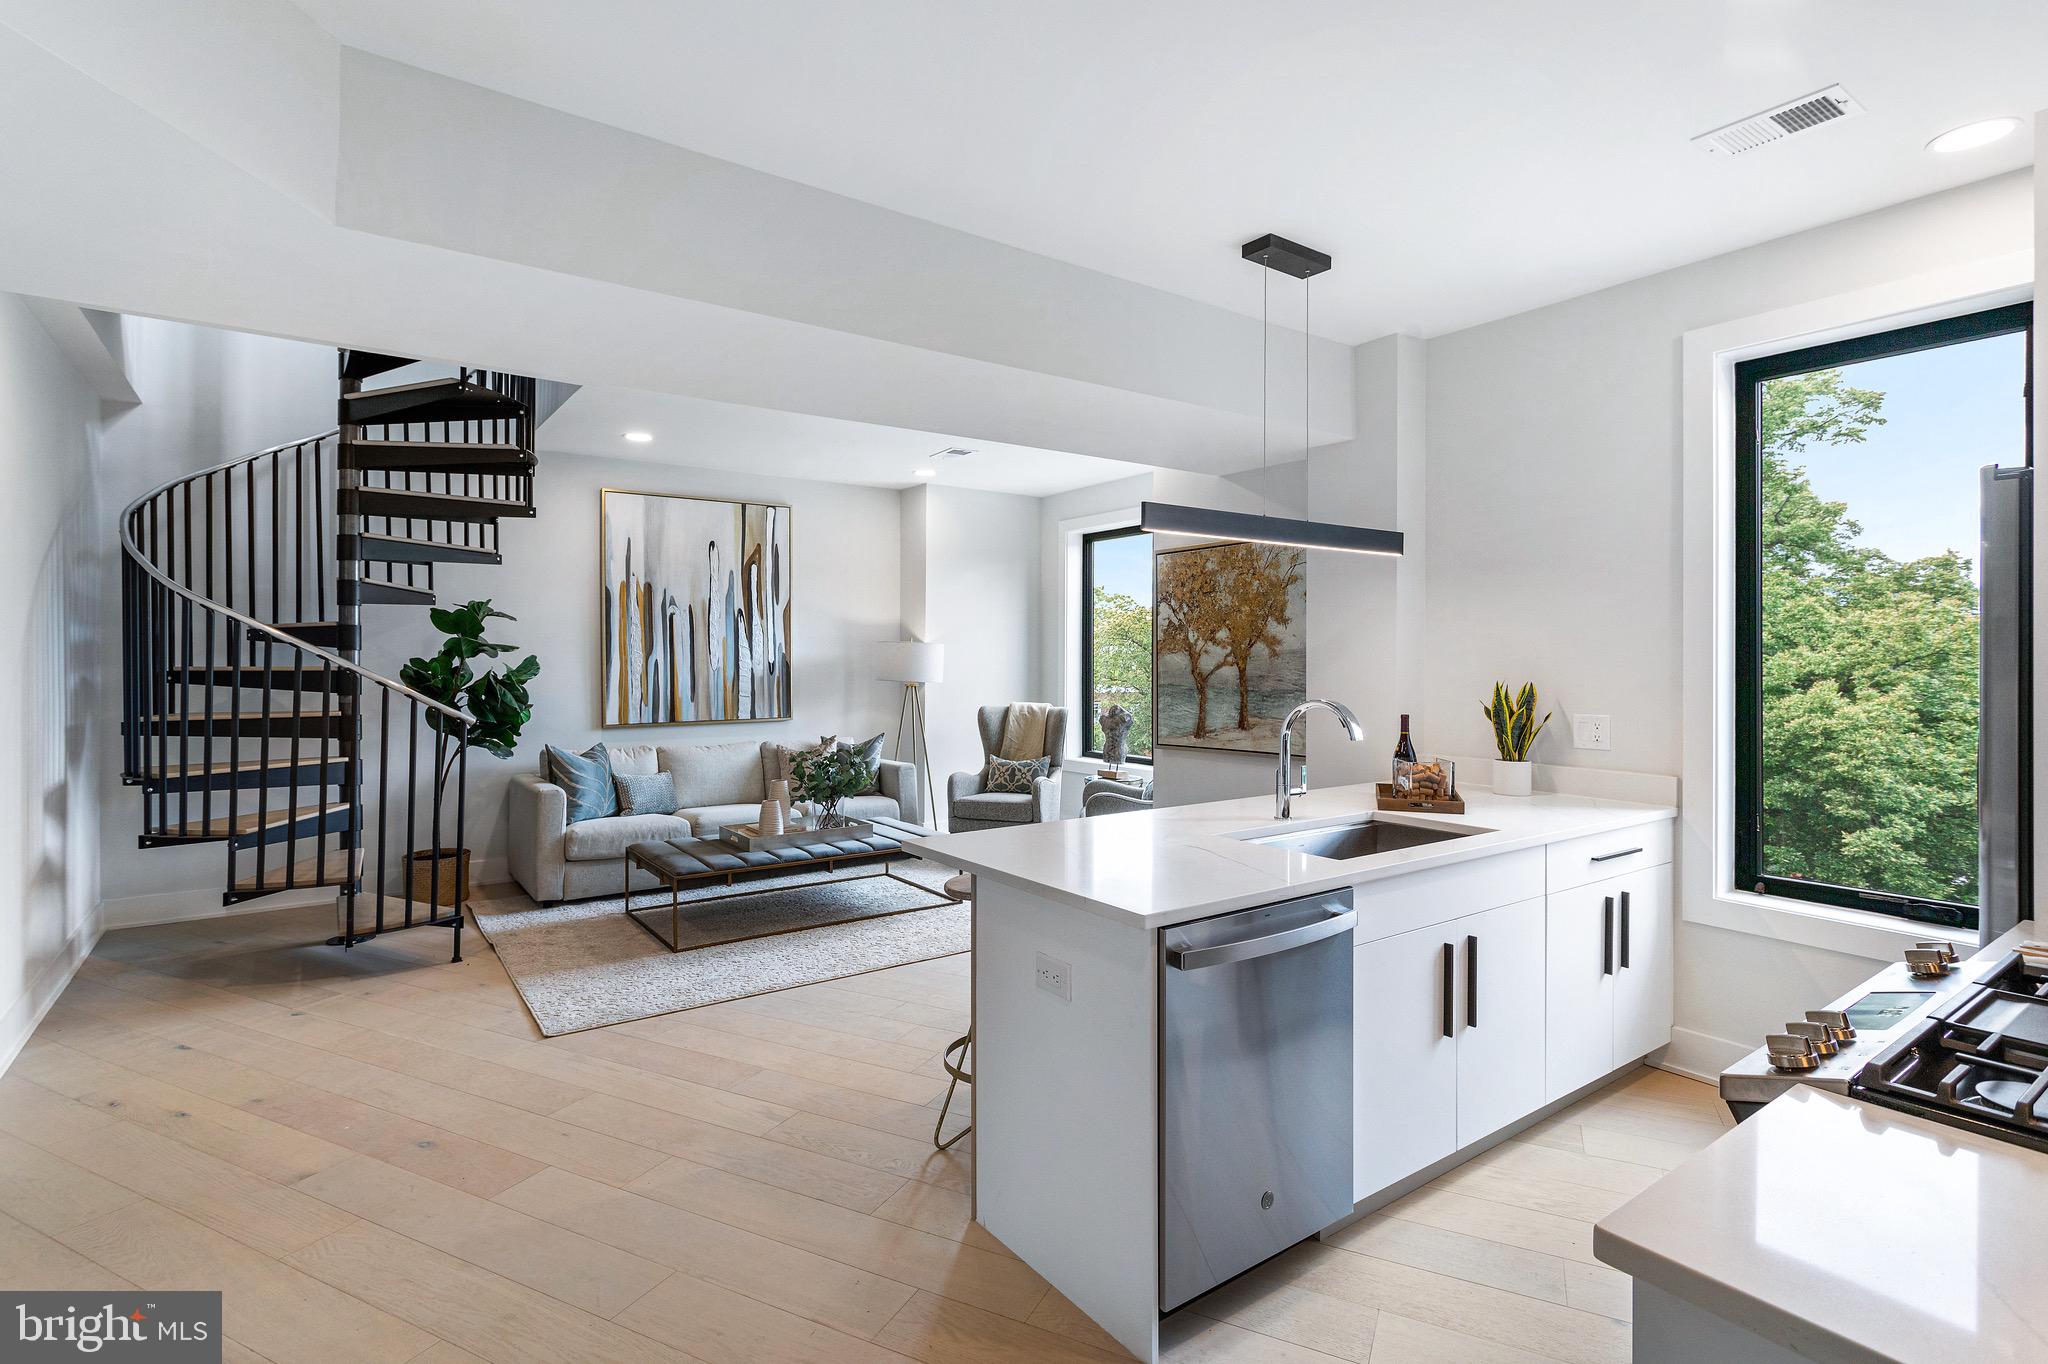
(639,437)
(924,473)
(1974,135)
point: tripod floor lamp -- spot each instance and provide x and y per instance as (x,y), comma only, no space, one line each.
(916,663)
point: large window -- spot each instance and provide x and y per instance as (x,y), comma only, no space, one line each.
(1116,635)
(1857,610)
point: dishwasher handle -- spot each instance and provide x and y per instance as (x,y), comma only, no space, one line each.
(1248,949)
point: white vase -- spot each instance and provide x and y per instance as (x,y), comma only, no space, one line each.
(1511,779)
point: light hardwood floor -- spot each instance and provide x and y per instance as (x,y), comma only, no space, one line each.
(377,1158)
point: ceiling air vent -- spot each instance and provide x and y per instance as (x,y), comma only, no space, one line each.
(1775,125)
(951,452)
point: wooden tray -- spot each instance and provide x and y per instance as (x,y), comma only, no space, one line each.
(1387,800)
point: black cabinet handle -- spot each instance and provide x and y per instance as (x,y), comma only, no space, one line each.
(1625,917)
(1471,982)
(1609,857)
(1449,976)
(1607,936)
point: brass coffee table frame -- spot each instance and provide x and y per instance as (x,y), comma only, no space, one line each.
(887,856)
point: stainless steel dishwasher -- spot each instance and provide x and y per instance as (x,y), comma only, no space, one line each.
(1255,1088)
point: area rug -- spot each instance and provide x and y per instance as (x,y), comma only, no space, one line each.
(585,965)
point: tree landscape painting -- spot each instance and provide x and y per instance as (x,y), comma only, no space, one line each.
(1230,644)
(696,610)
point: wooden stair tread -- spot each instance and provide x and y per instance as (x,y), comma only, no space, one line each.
(333,867)
(411,549)
(220,826)
(458,506)
(280,713)
(175,770)
(430,400)
(378,592)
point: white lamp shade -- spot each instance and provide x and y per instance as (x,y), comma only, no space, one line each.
(910,660)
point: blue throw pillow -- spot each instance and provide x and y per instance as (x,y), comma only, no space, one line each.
(587,778)
(652,794)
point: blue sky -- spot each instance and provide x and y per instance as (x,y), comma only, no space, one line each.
(1125,565)
(1948,412)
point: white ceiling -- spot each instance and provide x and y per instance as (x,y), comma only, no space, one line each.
(700,434)
(1461,162)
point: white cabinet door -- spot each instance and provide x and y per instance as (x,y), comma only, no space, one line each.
(1643,963)
(1579,987)
(1404,1063)
(1500,1018)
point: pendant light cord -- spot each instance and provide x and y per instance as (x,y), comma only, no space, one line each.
(1306,341)
(1265,387)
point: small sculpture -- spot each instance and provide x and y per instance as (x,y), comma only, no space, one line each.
(1116,724)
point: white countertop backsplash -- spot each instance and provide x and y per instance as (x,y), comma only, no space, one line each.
(1172,864)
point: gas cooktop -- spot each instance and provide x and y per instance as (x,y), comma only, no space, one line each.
(1978,1058)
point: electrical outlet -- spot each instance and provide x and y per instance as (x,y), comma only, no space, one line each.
(1056,977)
(1590,731)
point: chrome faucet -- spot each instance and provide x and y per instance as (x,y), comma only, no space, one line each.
(1284,789)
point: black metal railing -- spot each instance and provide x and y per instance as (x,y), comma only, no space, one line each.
(244,726)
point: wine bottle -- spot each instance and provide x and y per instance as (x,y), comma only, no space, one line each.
(1404,757)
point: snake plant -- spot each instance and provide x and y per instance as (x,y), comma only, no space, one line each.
(1514,722)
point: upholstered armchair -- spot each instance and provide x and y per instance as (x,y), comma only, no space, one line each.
(970,807)
(1103,796)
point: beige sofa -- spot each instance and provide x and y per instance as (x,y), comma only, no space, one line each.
(716,785)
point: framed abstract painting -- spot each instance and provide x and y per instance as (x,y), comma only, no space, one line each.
(697,606)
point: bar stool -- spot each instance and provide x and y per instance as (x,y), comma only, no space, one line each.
(961,1075)
(960,887)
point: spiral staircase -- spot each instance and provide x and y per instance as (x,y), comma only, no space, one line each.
(248,717)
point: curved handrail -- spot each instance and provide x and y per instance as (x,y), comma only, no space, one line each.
(135,553)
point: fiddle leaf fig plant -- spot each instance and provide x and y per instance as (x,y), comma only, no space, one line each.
(495,699)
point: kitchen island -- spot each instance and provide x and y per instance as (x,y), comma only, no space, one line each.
(1498,971)
(1833,1230)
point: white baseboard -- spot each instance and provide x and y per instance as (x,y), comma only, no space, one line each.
(21,1020)
(1699,1055)
(181,906)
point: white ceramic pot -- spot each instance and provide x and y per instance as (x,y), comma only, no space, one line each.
(1511,779)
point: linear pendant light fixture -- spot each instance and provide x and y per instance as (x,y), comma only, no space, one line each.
(1172,518)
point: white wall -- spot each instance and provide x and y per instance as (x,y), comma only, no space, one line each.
(1554,537)
(50,691)
(206,396)
(980,595)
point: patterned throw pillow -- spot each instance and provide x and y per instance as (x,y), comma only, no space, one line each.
(782,758)
(653,794)
(871,756)
(587,779)
(1005,777)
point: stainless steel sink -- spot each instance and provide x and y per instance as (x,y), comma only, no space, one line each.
(1342,842)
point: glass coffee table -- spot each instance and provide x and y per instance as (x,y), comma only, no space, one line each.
(740,854)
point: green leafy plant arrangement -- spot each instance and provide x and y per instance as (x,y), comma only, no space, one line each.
(830,775)
(1514,722)
(495,700)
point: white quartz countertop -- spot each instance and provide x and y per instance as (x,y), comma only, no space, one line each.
(1849,1232)
(1172,864)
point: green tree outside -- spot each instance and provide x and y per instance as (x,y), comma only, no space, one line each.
(1122,666)
(1869,676)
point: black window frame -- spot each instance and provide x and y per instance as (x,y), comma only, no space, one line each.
(1750,376)
(1091,742)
